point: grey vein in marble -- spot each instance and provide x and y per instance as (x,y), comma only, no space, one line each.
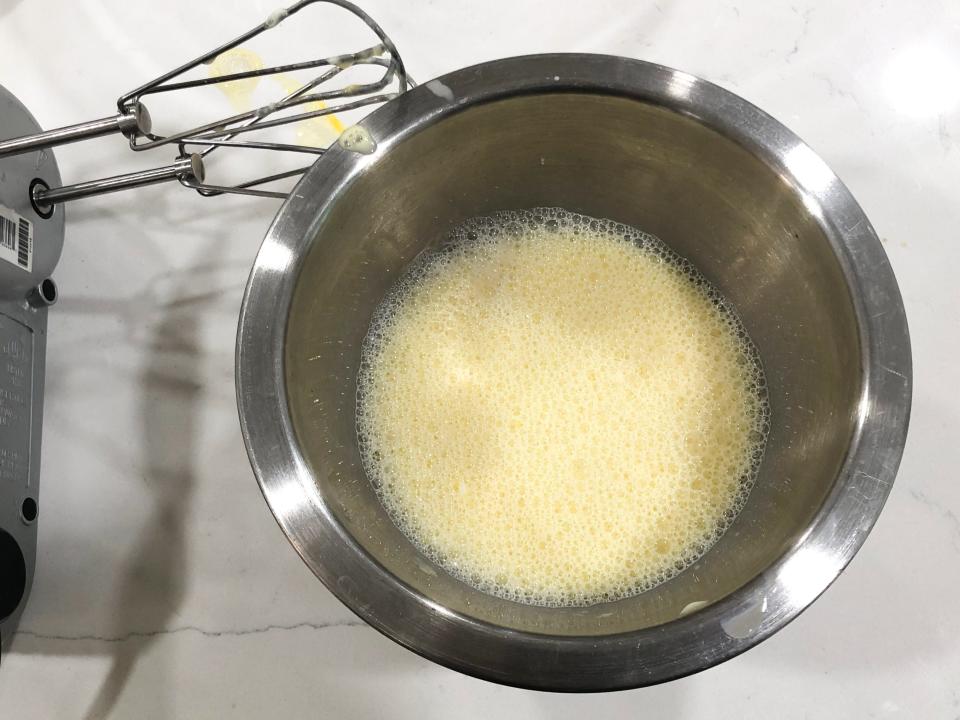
(803,32)
(135,634)
(944,512)
(834,90)
(946,137)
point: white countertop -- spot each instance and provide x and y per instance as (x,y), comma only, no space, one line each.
(166,590)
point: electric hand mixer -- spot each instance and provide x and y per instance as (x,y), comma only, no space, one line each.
(32,230)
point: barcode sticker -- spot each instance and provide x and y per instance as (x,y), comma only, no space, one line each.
(16,239)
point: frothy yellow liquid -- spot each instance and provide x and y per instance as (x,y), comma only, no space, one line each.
(558,410)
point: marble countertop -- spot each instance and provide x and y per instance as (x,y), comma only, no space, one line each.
(166,590)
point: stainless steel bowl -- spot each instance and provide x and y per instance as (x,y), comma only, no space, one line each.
(720,181)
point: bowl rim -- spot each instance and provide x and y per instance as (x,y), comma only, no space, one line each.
(651,655)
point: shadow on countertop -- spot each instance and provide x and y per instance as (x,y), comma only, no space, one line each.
(153,580)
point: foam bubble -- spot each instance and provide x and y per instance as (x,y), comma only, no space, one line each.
(558,409)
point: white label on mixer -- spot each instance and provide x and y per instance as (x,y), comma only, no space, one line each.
(16,239)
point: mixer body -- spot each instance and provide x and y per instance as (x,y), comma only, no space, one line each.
(30,246)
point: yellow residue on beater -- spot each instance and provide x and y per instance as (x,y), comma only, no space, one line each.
(238,92)
(316,132)
(319,131)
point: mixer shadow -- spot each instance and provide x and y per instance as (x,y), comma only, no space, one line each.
(7,7)
(153,582)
